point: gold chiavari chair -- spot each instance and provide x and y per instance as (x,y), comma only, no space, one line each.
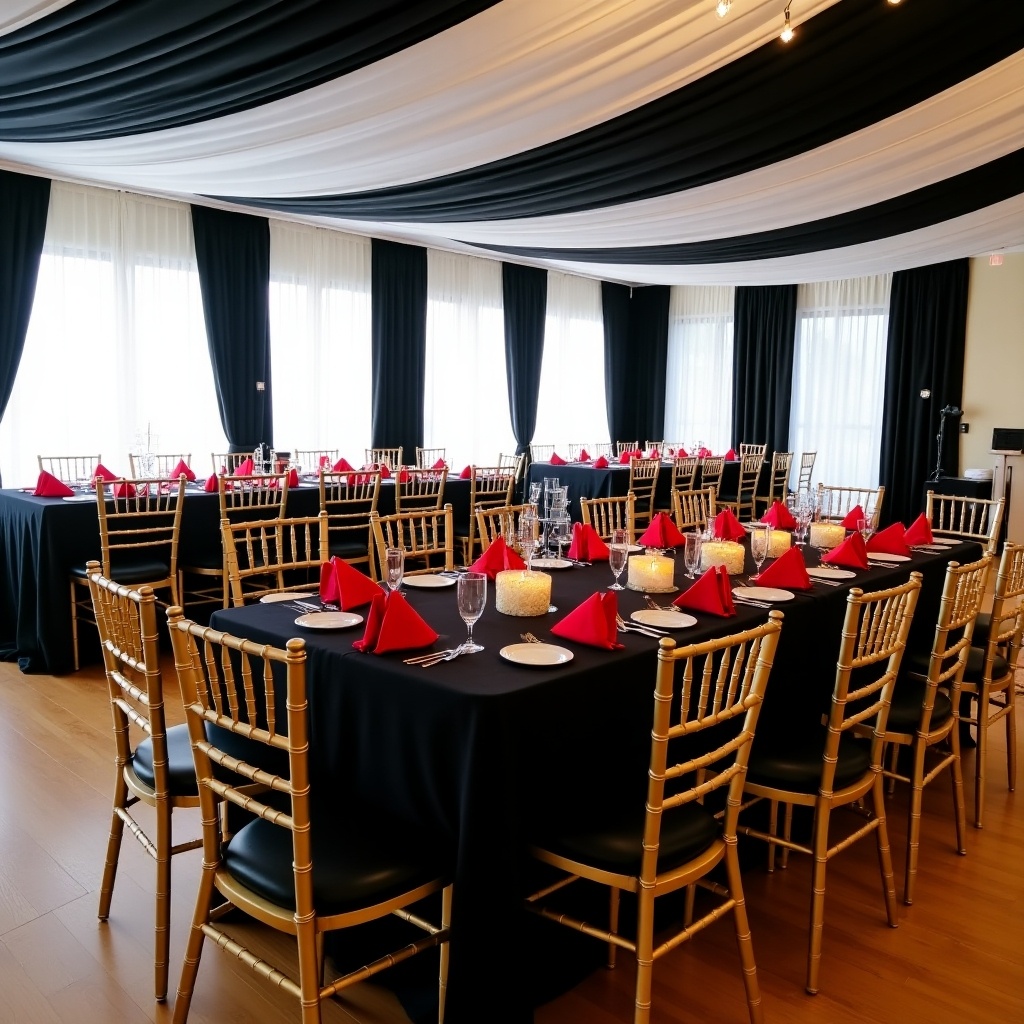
(419,489)
(660,445)
(711,469)
(489,487)
(156,465)
(541,452)
(243,499)
(313,459)
(684,472)
(989,678)
(69,468)
(626,446)
(643,482)
(274,555)
(965,518)
(575,450)
(155,770)
(694,509)
(305,869)
(807,459)
(228,462)
(605,448)
(608,514)
(923,713)
(778,481)
(759,450)
(836,502)
(426,458)
(140,523)
(492,523)
(424,537)
(705,715)
(746,490)
(348,499)
(390,457)
(826,769)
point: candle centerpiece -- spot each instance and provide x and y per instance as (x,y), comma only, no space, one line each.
(827,535)
(780,543)
(723,552)
(653,572)
(522,592)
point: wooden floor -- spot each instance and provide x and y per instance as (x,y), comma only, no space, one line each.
(956,956)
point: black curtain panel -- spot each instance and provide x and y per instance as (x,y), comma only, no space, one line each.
(925,353)
(399,328)
(764,333)
(525,299)
(233,255)
(616,306)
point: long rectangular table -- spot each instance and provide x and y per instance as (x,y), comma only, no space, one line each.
(487,751)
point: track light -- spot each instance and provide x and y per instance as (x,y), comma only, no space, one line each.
(787,31)
(894,3)
(722,7)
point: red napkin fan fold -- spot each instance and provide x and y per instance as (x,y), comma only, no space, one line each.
(440,464)
(890,541)
(600,462)
(654,454)
(48,486)
(293,478)
(556,459)
(779,516)
(587,545)
(497,558)
(730,455)
(466,473)
(385,473)
(727,526)
(704,453)
(102,473)
(124,489)
(662,533)
(342,466)
(680,453)
(788,570)
(711,594)
(394,625)
(182,467)
(584,455)
(593,622)
(851,553)
(919,531)
(853,517)
(244,468)
(211,483)
(345,586)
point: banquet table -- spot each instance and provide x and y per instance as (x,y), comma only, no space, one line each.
(42,539)
(484,751)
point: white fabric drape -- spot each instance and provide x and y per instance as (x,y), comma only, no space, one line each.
(839,378)
(698,386)
(465,402)
(116,345)
(320,347)
(571,407)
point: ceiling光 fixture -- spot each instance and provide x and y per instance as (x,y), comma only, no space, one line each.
(787,30)
(722,7)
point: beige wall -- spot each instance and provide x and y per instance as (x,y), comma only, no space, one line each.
(994,363)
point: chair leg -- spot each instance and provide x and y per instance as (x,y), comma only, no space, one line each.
(820,848)
(787,834)
(773,826)
(162,932)
(743,940)
(644,956)
(194,947)
(442,984)
(309,971)
(957,775)
(884,853)
(113,847)
(74,626)
(914,821)
(1011,736)
(980,757)
(894,763)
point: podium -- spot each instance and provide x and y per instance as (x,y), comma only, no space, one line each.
(1008,482)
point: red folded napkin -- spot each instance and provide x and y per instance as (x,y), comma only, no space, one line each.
(788,570)
(592,622)
(662,533)
(182,467)
(851,553)
(403,475)
(345,586)
(466,473)
(600,462)
(497,558)
(587,545)
(440,464)
(556,459)
(891,541)
(584,456)
(654,454)
(124,489)
(342,466)
(850,522)
(704,453)
(727,526)
(779,516)
(48,486)
(293,478)
(680,453)
(711,593)
(919,531)
(624,458)
(730,455)
(385,473)
(244,468)
(102,473)
(393,625)
(211,483)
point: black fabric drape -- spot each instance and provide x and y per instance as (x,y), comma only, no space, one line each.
(233,256)
(925,351)
(525,298)
(399,329)
(764,332)
(635,359)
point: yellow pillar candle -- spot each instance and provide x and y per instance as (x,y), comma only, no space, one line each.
(723,552)
(827,535)
(518,592)
(780,543)
(651,572)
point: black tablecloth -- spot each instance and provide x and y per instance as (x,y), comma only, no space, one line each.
(487,751)
(42,539)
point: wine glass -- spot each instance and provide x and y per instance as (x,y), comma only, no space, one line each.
(694,541)
(804,514)
(865,529)
(562,531)
(472,598)
(760,541)
(618,549)
(527,537)
(395,559)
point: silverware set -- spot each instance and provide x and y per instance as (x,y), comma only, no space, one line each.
(436,657)
(632,627)
(750,602)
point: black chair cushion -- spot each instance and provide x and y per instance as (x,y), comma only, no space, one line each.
(976,666)
(348,548)
(797,766)
(982,625)
(205,560)
(181,769)
(143,570)
(616,844)
(357,861)
(905,710)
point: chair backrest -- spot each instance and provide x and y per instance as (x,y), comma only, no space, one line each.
(660,445)
(803,482)
(419,488)
(836,502)
(1007,618)
(717,688)
(69,468)
(127,625)
(952,515)
(312,459)
(264,551)
(514,464)
(541,452)
(684,472)
(423,536)
(608,514)
(711,470)
(501,521)
(489,487)
(605,448)
(750,470)
(778,483)
(150,465)
(348,499)
(245,499)
(872,642)
(694,509)
(643,477)
(390,457)
(626,446)
(426,458)
(228,462)
(139,519)
(753,449)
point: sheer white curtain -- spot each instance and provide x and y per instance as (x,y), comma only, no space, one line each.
(116,345)
(320,347)
(839,377)
(465,402)
(698,388)
(571,407)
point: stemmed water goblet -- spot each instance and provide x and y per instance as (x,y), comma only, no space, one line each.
(693,542)
(472,598)
(395,562)
(527,537)
(618,549)
(562,531)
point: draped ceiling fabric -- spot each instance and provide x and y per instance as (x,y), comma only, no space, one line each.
(642,142)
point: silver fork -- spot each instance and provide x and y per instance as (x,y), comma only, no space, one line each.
(444,656)
(654,606)
(629,627)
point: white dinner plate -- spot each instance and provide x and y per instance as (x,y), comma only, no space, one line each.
(945,542)
(633,548)
(286,596)
(823,572)
(551,563)
(80,497)
(663,619)
(884,556)
(763,593)
(429,581)
(540,655)
(329,620)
